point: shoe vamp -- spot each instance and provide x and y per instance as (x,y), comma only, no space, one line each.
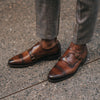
(71,60)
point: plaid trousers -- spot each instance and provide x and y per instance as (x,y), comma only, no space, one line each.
(47,19)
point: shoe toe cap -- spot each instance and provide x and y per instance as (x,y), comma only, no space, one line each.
(54,76)
(14,60)
(11,61)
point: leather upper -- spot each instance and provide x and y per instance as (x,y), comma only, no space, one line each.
(33,54)
(69,62)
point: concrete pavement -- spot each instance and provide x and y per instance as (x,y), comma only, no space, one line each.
(17,33)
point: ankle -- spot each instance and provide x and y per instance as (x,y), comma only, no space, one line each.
(78,44)
(47,44)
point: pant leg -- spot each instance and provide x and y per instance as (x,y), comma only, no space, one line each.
(47,18)
(86,15)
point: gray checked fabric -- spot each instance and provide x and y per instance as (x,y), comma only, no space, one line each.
(47,19)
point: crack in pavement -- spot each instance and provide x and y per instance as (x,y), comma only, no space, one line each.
(42,81)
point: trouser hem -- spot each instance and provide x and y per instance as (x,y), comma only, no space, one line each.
(46,37)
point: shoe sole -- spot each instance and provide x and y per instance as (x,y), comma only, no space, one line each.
(68,76)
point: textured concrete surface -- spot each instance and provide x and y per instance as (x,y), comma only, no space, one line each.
(85,85)
(17,33)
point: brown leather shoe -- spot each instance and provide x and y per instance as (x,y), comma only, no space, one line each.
(68,63)
(35,54)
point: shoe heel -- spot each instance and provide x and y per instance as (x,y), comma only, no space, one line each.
(84,61)
(54,57)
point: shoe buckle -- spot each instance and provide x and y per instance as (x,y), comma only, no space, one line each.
(33,57)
